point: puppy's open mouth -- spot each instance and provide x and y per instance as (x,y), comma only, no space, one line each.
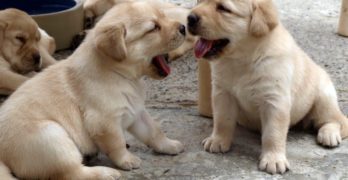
(209,48)
(160,62)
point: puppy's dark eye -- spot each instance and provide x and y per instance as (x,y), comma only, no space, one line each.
(155,28)
(222,8)
(21,39)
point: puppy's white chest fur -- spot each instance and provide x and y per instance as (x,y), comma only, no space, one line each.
(122,103)
(134,109)
(254,85)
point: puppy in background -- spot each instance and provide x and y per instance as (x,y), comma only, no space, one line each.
(47,47)
(24,48)
(261,79)
(95,9)
(83,104)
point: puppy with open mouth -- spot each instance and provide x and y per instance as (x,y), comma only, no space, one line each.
(95,9)
(261,79)
(83,104)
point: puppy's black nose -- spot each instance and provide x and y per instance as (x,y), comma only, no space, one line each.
(37,59)
(192,20)
(192,23)
(182,30)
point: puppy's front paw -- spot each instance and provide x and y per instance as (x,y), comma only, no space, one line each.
(104,173)
(216,144)
(274,163)
(128,162)
(170,146)
(329,135)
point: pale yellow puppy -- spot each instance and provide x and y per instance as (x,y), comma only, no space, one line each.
(83,104)
(95,9)
(24,48)
(47,47)
(261,79)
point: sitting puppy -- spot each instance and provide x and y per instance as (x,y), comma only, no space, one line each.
(83,104)
(261,79)
(23,49)
(95,9)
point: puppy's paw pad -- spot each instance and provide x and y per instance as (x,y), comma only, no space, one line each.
(216,144)
(274,163)
(129,162)
(170,146)
(329,135)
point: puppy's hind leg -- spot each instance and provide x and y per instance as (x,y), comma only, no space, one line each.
(46,151)
(332,124)
(145,129)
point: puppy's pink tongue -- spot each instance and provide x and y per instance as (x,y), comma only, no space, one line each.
(202,47)
(161,63)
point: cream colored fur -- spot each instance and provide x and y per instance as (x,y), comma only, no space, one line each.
(20,40)
(94,10)
(264,81)
(83,104)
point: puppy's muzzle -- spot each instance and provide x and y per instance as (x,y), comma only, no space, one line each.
(192,23)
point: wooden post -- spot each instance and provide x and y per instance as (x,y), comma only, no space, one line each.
(204,88)
(343,23)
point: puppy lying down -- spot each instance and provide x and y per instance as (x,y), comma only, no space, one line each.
(24,48)
(261,79)
(83,104)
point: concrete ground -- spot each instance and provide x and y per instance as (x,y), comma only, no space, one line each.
(173,104)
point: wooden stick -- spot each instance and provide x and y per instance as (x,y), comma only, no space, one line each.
(343,23)
(204,88)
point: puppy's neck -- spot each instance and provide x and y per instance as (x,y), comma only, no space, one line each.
(91,62)
(124,75)
(251,49)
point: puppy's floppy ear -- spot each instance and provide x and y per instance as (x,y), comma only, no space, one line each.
(264,18)
(110,40)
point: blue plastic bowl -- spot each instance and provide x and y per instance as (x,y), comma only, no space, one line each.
(36,7)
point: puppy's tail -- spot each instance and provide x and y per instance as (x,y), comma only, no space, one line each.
(5,173)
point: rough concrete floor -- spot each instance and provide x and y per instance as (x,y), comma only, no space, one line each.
(173,104)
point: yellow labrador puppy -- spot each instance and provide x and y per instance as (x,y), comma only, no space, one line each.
(23,48)
(83,104)
(94,10)
(262,79)
(47,47)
